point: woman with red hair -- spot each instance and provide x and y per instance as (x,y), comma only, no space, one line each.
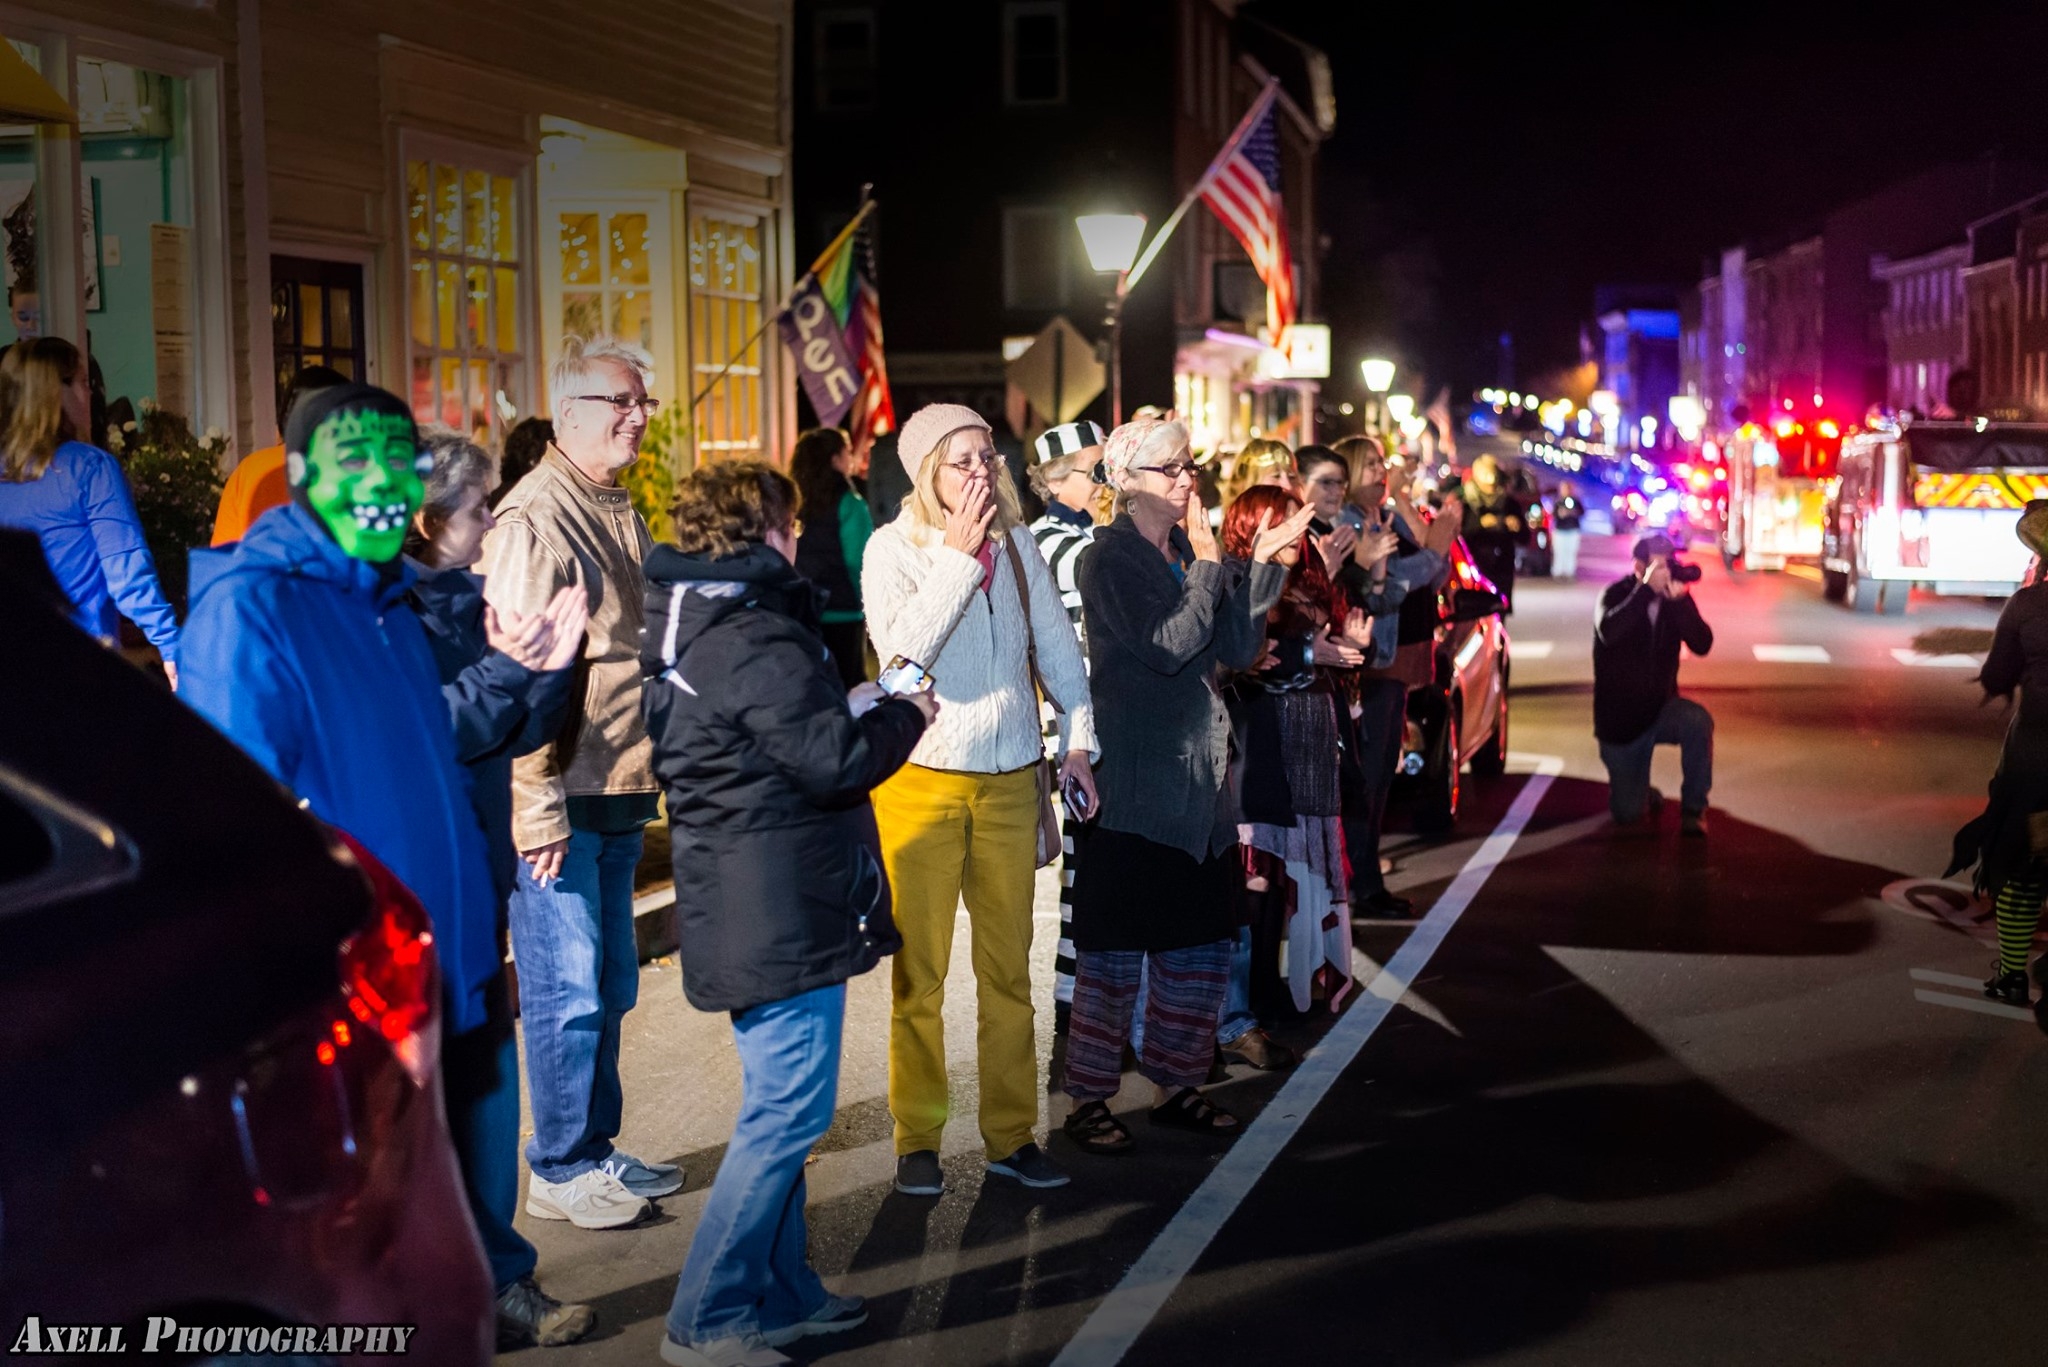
(1285,713)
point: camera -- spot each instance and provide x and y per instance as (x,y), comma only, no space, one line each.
(1684,572)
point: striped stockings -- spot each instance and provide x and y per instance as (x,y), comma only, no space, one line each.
(1184,990)
(2019,916)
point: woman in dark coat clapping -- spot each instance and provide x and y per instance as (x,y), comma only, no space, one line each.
(1153,887)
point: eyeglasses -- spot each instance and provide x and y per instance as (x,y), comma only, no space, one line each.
(1171,471)
(622,403)
(985,461)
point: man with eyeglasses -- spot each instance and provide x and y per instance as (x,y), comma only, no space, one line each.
(580,803)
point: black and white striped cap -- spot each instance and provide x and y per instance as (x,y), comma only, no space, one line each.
(1066,439)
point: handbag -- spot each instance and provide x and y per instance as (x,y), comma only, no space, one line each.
(1050,843)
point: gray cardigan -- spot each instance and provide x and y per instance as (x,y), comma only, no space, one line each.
(1155,646)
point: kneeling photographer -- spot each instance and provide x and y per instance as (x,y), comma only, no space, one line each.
(1643,620)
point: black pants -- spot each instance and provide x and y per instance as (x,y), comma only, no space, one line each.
(848,642)
(1377,742)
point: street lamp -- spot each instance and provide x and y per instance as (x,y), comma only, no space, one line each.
(1111,241)
(1400,408)
(1379,378)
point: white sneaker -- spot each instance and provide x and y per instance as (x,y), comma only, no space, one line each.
(590,1200)
(744,1350)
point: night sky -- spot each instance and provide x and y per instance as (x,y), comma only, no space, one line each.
(1487,173)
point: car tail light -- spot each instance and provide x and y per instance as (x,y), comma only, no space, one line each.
(388,977)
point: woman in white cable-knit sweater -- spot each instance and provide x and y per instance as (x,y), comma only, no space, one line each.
(941,584)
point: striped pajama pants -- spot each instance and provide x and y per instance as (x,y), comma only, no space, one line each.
(1063,953)
(1184,991)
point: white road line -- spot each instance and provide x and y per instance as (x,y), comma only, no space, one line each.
(1126,1311)
(1914,657)
(1792,655)
(1978,1004)
(1531,650)
(1928,975)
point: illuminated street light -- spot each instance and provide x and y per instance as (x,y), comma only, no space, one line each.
(1400,408)
(1379,374)
(1111,241)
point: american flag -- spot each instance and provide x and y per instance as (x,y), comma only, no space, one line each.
(874,412)
(1242,187)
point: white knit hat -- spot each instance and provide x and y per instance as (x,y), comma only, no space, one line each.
(928,427)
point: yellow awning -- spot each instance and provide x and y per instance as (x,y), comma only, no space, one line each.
(25,97)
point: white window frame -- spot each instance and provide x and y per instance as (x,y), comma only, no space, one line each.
(662,276)
(1011,244)
(416,145)
(60,182)
(768,347)
(1013,10)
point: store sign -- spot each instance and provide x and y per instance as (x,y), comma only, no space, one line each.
(1303,354)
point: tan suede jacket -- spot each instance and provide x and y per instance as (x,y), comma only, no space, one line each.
(557,528)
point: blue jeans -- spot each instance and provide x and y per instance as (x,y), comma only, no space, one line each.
(480,1085)
(748,1270)
(1237,1016)
(1683,723)
(579,974)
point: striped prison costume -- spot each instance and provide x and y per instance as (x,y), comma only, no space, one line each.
(1184,991)
(1062,535)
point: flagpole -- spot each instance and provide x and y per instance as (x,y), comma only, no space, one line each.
(867,203)
(1244,126)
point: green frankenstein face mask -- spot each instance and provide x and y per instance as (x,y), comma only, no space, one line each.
(361,476)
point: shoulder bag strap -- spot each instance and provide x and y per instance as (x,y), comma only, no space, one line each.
(1024,604)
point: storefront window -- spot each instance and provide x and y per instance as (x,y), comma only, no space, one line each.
(726,347)
(464,285)
(607,275)
(138,259)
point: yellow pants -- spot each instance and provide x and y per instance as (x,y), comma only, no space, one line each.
(946,835)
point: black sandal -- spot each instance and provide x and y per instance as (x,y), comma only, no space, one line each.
(1094,1130)
(1188,1109)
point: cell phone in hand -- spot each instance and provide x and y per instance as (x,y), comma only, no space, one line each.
(904,676)
(1076,799)
(1352,516)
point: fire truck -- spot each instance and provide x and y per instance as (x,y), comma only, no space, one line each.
(1933,505)
(1778,480)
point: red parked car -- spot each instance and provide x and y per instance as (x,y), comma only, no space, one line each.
(219,1065)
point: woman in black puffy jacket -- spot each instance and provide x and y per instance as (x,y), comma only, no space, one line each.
(767,762)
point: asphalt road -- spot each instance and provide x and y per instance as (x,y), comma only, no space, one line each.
(1617,1100)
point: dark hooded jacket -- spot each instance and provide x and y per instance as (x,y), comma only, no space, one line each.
(315,663)
(779,883)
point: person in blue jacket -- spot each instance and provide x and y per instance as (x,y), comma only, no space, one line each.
(506,681)
(304,648)
(73,496)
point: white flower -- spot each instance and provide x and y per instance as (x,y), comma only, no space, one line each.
(147,405)
(213,434)
(114,442)
(128,426)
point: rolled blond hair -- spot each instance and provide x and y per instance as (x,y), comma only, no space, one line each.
(33,378)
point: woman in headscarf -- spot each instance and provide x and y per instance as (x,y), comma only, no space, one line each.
(1154,887)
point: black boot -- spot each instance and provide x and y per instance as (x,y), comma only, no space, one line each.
(2010,988)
